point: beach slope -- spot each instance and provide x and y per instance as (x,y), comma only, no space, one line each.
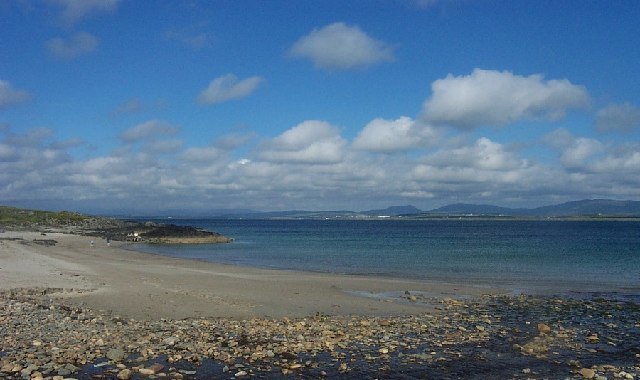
(145,286)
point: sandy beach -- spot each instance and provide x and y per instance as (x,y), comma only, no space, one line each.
(145,286)
(77,310)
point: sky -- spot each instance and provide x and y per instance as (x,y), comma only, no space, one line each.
(123,106)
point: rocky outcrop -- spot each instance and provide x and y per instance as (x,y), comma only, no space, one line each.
(107,228)
(172,234)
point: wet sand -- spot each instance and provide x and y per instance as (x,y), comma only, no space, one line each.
(146,286)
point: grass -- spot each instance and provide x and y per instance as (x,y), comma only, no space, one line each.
(13,216)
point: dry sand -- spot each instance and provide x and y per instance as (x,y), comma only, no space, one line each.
(145,286)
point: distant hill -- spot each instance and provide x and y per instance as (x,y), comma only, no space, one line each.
(464,208)
(590,207)
(587,207)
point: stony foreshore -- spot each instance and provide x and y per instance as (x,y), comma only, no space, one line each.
(44,337)
(76,307)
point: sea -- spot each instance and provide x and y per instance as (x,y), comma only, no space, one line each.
(526,256)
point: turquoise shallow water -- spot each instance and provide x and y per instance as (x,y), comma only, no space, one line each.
(576,256)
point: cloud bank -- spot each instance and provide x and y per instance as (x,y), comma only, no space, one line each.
(313,165)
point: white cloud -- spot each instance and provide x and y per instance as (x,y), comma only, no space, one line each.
(340,46)
(228,87)
(10,96)
(625,165)
(576,153)
(311,141)
(580,151)
(482,172)
(488,97)
(308,166)
(149,130)
(618,117)
(483,154)
(77,45)
(388,136)
(75,10)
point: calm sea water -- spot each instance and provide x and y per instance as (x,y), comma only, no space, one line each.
(572,255)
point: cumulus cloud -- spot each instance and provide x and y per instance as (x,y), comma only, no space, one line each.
(576,153)
(618,117)
(340,46)
(387,136)
(484,171)
(149,130)
(623,165)
(309,166)
(228,87)
(73,11)
(489,97)
(483,154)
(312,141)
(580,151)
(77,45)
(10,96)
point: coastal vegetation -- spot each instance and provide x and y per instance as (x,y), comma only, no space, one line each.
(13,216)
(107,228)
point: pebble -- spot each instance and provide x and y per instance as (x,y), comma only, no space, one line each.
(544,328)
(587,373)
(116,354)
(146,371)
(124,374)
(43,338)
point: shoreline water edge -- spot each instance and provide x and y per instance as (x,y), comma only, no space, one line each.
(73,309)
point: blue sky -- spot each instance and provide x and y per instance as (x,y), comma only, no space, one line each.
(143,106)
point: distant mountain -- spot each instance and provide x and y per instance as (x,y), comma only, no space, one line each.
(464,208)
(394,211)
(587,207)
